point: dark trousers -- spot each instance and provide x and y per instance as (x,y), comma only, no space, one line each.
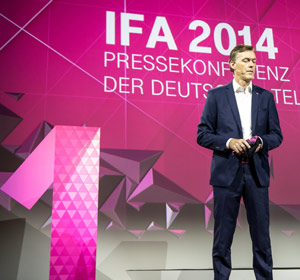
(226,209)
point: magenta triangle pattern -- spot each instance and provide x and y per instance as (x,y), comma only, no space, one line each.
(75,203)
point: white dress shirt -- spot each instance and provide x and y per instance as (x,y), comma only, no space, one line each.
(244,102)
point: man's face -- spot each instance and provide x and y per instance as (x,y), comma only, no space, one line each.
(244,66)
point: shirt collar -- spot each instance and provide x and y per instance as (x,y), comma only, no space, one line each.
(237,88)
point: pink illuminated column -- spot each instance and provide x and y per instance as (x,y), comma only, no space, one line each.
(75,203)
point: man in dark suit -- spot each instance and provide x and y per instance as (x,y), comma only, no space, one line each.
(233,114)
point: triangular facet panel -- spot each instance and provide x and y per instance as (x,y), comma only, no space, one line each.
(293,210)
(171,214)
(8,122)
(133,163)
(177,232)
(157,188)
(137,233)
(34,139)
(15,95)
(288,233)
(154,227)
(115,205)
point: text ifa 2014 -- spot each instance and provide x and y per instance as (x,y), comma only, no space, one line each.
(131,25)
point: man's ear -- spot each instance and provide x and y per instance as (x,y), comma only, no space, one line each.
(232,64)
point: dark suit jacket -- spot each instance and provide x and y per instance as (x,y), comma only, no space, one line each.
(220,121)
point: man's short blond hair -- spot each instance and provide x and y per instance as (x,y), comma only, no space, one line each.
(238,49)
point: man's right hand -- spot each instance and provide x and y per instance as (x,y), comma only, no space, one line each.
(239,145)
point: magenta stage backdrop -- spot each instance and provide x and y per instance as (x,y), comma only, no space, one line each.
(140,70)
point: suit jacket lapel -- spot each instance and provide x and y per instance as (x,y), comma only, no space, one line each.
(234,108)
(254,109)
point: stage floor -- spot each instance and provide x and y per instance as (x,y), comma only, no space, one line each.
(141,252)
(244,274)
